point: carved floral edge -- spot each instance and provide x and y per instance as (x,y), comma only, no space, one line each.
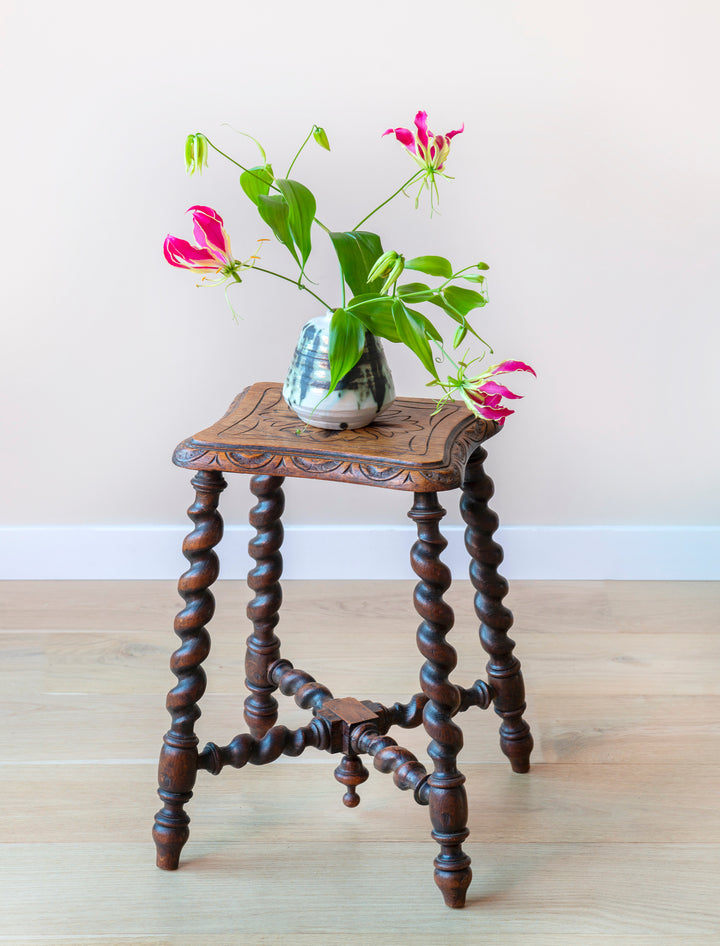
(195,456)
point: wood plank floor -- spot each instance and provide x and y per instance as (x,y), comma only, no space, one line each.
(613,837)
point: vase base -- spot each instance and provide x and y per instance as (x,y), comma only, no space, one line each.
(351,419)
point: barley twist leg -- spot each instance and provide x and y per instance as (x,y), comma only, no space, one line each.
(496,620)
(447,798)
(263,647)
(179,755)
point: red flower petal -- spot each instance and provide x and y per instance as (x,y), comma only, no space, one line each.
(492,387)
(184,255)
(209,232)
(494,413)
(404,136)
(451,134)
(422,128)
(206,211)
(507,366)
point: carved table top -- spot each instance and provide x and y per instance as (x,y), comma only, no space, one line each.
(407,447)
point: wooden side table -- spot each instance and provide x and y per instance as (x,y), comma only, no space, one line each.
(408,448)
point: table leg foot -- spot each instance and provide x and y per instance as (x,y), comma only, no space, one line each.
(453,885)
(169,847)
(171,829)
(516,740)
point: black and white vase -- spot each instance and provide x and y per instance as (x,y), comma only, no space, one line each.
(358,397)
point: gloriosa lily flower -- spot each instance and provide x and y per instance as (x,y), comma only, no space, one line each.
(430,151)
(212,254)
(484,396)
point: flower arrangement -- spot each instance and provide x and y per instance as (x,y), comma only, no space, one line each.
(377,301)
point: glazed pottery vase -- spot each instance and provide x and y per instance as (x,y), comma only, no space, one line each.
(358,397)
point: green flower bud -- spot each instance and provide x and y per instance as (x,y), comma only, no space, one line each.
(383,264)
(201,151)
(321,137)
(394,274)
(190,154)
(196,153)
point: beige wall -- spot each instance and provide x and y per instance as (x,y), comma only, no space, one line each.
(587,177)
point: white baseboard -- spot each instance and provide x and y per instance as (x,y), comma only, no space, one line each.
(671,553)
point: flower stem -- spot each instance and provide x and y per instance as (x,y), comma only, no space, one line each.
(458,273)
(406,184)
(445,354)
(249,171)
(464,270)
(233,161)
(298,284)
(342,283)
(299,151)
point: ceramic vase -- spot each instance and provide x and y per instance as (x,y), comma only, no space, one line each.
(358,397)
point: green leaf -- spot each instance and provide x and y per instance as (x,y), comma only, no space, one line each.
(458,317)
(301,213)
(412,333)
(320,136)
(463,300)
(441,301)
(346,344)
(257,181)
(430,330)
(418,290)
(274,211)
(367,300)
(357,251)
(455,315)
(432,265)
(375,313)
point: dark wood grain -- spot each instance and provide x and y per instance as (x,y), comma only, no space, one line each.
(388,756)
(408,447)
(308,693)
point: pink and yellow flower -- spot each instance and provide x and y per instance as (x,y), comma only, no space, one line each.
(430,151)
(212,254)
(484,396)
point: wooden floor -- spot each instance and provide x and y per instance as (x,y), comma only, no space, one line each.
(613,837)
